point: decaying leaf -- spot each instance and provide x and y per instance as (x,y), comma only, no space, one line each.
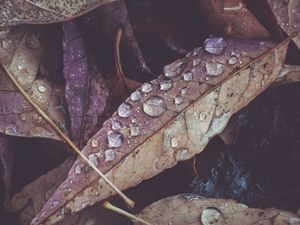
(14,12)
(85,91)
(288,74)
(196,210)
(232,18)
(6,163)
(34,195)
(115,16)
(287,14)
(168,120)
(21,55)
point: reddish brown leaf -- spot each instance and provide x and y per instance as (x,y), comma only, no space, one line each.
(85,91)
(168,120)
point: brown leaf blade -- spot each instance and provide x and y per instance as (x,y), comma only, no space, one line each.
(169,120)
(21,57)
(196,210)
(15,12)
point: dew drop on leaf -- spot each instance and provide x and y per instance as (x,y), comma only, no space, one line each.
(232,60)
(94,143)
(174,142)
(212,216)
(166,85)
(136,95)
(110,155)
(6,44)
(125,110)
(78,169)
(215,45)
(116,125)
(10,129)
(187,76)
(154,106)
(146,88)
(93,158)
(178,100)
(214,69)
(115,139)
(135,131)
(42,88)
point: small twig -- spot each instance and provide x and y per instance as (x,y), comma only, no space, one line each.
(64,137)
(109,206)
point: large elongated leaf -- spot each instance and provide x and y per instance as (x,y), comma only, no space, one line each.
(85,91)
(168,120)
(21,54)
(196,210)
(14,12)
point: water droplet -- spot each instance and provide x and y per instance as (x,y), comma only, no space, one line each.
(94,143)
(125,110)
(214,69)
(184,91)
(187,76)
(90,221)
(212,216)
(196,62)
(174,70)
(202,116)
(232,60)
(78,169)
(6,44)
(154,106)
(178,100)
(166,85)
(115,139)
(182,154)
(3,33)
(42,88)
(20,66)
(110,155)
(135,131)
(146,87)
(116,125)
(258,85)
(215,45)
(136,95)
(10,129)
(83,205)
(93,158)
(174,142)
(32,41)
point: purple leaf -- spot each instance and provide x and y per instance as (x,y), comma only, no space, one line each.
(85,91)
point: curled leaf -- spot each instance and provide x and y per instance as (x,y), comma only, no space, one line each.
(22,58)
(85,91)
(196,210)
(169,119)
(40,11)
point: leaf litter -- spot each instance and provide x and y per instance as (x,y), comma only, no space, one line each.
(183,116)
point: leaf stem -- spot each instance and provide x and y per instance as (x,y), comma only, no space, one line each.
(64,137)
(110,206)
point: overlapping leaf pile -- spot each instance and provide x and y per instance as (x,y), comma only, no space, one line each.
(156,124)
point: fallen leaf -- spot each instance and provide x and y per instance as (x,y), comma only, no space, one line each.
(169,119)
(232,19)
(115,16)
(288,74)
(34,195)
(85,91)
(22,56)
(287,14)
(6,164)
(194,209)
(40,11)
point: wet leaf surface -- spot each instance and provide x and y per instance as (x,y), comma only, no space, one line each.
(39,11)
(86,93)
(194,98)
(21,56)
(194,209)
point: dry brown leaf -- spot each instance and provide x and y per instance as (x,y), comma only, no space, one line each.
(14,12)
(34,195)
(231,18)
(287,14)
(21,55)
(168,120)
(193,209)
